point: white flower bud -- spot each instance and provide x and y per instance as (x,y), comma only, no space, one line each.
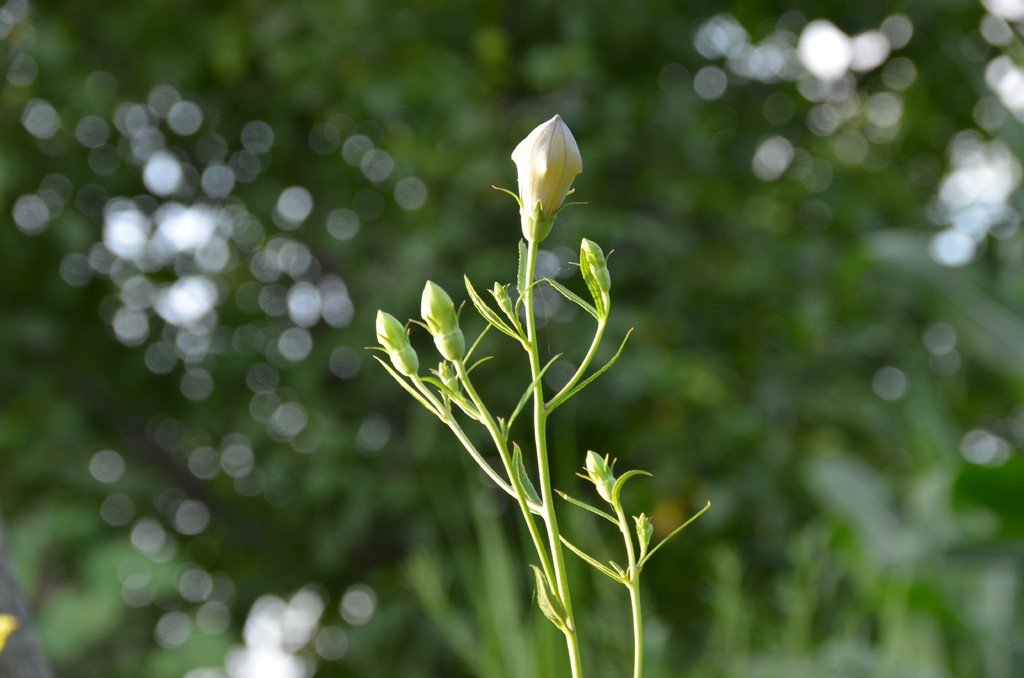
(547,161)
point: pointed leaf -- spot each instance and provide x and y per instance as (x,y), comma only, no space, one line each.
(529,390)
(674,533)
(584,505)
(477,363)
(412,391)
(573,297)
(579,387)
(505,190)
(617,487)
(476,343)
(549,604)
(488,313)
(522,475)
(593,562)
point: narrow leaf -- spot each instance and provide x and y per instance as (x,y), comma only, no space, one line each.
(412,391)
(476,343)
(477,363)
(529,390)
(617,487)
(579,387)
(522,475)
(593,562)
(488,313)
(573,297)
(674,533)
(549,604)
(588,507)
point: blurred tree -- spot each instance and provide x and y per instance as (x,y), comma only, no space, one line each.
(817,241)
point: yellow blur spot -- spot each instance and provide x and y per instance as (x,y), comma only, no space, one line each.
(8,625)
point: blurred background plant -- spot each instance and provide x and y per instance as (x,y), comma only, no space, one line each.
(814,209)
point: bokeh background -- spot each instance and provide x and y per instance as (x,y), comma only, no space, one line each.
(814,209)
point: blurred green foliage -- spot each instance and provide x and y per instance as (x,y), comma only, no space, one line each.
(851,407)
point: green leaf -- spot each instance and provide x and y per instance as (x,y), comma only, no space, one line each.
(674,533)
(579,387)
(549,604)
(529,390)
(617,487)
(593,562)
(477,363)
(449,395)
(588,507)
(412,391)
(522,475)
(488,313)
(573,297)
(520,202)
(521,282)
(476,343)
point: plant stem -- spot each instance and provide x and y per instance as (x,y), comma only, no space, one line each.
(634,592)
(502,445)
(540,414)
(445,416)
(638,627)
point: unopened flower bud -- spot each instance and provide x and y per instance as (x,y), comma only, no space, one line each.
(547,160)
(500,294)
(438,313)
(595,272)
(448,377)
(644,530)
(600,473)
(392,336)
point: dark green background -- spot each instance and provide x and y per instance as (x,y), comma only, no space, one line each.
(848,537)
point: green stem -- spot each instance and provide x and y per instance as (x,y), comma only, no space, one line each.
(502,445)
(638,628)
(557,399)
(634,593)
(540,414)
(444,414)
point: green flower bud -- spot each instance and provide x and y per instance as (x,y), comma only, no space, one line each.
(599,472)
(392,336)
(595,273)
(592,260)
(547,160)
(448,377)
(500,294)
(644,530)
(438,313)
